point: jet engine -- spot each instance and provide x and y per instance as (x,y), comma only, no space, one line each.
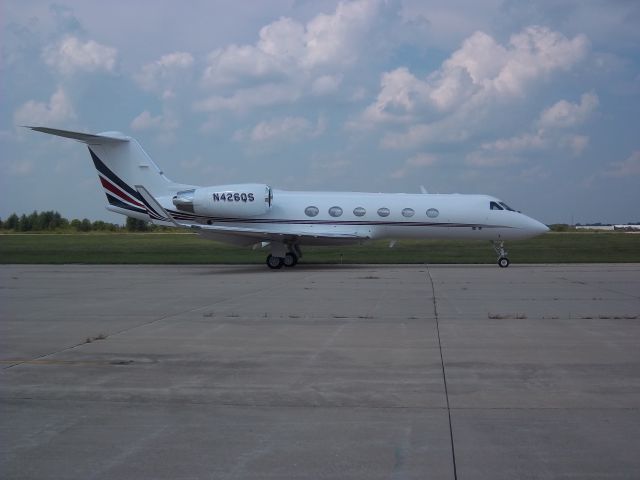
(237,201)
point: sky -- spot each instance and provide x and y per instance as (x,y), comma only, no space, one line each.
(534,102)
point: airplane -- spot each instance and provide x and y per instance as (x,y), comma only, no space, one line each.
(255,214)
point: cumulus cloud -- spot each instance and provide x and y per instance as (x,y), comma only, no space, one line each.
(282,39)
(506,151)
(248,98)
(483,159)
(326,84)
(299,58)
(164,74)
(58,110)
(480,74)
(420,160)
(287,129)
(337,39)
(146,121)
(565,114)
(288,48)
(627,168)
(511,150)
(400,94)
(234,64)
(71,55)
(521,143)
(577,143)
(561,115)
(454,129)
(535,53)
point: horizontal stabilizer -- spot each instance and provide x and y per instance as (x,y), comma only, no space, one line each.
(88,138)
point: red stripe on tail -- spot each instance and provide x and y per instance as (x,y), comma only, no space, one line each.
(116,191)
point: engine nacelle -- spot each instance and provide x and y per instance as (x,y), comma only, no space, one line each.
(237,201)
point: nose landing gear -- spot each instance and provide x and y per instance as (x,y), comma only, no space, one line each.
(503,260)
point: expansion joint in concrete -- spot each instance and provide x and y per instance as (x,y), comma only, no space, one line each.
(444,374)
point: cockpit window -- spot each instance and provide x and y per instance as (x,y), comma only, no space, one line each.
(495,206)
(507,207)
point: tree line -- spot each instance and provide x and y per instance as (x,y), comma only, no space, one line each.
(51,221)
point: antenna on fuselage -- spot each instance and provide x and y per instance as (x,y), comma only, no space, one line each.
(422,189)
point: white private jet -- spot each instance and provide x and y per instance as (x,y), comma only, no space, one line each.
(253,213)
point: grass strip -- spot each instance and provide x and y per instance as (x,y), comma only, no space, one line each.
(156,248)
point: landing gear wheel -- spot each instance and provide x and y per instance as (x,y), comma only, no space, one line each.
(275,262)
(498,246)
(290,259)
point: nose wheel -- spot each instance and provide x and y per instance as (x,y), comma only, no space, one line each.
(503,260)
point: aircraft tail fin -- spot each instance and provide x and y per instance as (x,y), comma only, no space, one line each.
(121,163)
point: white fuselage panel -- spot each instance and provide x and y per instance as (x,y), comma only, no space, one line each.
(383,215)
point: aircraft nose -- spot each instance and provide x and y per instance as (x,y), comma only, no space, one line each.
(536,227)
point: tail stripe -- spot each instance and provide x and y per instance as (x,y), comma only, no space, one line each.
(119,193)
(116,191)
(116,202)
(104,170)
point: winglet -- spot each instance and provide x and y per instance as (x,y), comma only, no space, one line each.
(154,209)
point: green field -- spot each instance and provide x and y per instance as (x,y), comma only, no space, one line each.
(157,248)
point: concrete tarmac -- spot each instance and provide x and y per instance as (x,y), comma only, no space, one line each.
(318,372)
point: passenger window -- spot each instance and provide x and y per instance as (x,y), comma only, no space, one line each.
(384,212)
(408,212)
(433,213)
(495,206)
(359,212)
(335,211)
(311,211)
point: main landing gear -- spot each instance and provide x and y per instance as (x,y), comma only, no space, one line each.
(283,256)
(503,260)
(289,260)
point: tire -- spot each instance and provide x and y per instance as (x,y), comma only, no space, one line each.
(274,262)
(290,259)
(503,262)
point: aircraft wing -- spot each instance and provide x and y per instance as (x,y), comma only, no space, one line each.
(319,236)
(262,234)
(160,216)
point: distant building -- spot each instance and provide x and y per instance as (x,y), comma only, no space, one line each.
(617,228)
(594,227)
(627,228)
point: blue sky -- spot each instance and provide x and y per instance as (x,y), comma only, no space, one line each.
(537,103)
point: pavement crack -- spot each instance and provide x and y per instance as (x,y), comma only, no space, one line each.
(444,373)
